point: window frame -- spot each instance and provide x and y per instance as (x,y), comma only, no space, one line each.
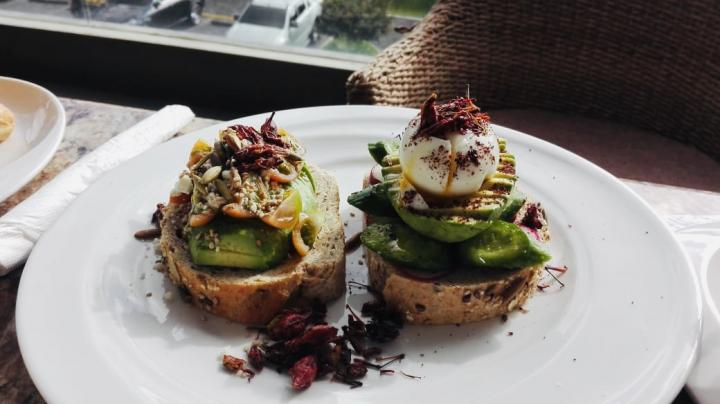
(171,38)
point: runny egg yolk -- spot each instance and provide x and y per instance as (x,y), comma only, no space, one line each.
(454,165)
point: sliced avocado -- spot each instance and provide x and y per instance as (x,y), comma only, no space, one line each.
(382,148)
(399,244)
(514,203)
(393,169)
(390,160)
(504,178)
(251,244)
(308,174)
(489,202)
(501,245)
(445,228)
(373,200)
(482,205)
(305,185)
(254,245)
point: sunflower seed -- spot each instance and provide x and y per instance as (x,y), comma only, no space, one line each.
(212,173)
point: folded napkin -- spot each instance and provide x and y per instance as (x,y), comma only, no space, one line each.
(21,227)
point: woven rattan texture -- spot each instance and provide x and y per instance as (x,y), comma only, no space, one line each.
(652,64)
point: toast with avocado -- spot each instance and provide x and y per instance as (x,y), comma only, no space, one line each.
(250,227)
(449,238)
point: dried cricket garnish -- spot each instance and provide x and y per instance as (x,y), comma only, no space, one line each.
(350,382)
(385,324)
(269,126)
(454,116)
(372,351)
(246,133)
(357,371)
(256,151)
(356,340)
(367,364)
(258,157)
(269,132)
(390,359)
(373,308)
(303,373)
(428,114)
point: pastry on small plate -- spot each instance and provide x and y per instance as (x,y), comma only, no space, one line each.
(7,122)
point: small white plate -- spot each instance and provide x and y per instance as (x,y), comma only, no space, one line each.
(93,325)
(39,128)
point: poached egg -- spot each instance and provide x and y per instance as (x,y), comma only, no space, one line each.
(452,165)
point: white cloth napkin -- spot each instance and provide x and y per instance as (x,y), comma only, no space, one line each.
(21,227)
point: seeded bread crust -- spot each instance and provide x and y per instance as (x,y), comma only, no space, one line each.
(252,297)
(461,297)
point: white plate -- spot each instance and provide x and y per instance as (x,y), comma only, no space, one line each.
(624,329)
(702,242)
(39,127)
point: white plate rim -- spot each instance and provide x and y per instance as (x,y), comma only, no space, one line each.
(682,370)
(28,169)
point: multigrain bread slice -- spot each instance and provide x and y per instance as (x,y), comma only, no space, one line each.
(253,297)
(460,297)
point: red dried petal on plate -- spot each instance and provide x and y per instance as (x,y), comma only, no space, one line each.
(256,357)
(315,336)
(288,324)
(303,373)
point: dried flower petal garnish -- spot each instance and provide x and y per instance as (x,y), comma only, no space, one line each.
(550,269)
(300,342)
(237,366)
(303,372)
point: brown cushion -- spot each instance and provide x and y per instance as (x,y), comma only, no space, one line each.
(625,151)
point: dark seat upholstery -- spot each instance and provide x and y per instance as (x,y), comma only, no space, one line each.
(655,65)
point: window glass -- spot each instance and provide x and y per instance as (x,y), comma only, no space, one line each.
(263,15)
(352,27)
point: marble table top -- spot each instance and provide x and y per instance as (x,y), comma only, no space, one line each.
(90,124)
